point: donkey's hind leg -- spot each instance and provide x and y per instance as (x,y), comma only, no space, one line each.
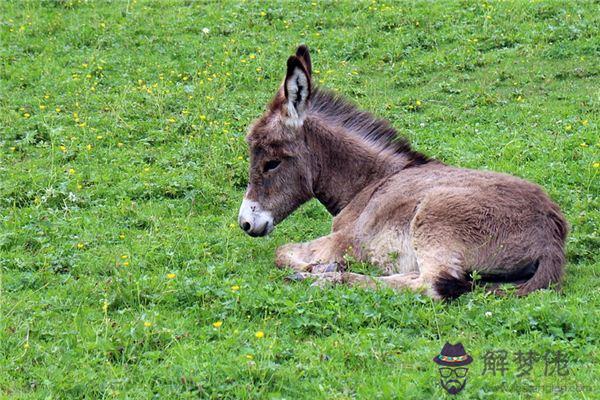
(439,277)
(320,255)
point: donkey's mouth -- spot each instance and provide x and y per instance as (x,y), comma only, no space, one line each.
(254,220)
(268,228)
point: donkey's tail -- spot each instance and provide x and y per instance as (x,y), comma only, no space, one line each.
(549,272)
(543,273)
(551,263)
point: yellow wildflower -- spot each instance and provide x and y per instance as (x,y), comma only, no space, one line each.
(171,276)
(235,288)
(217,324)
(71,171)
(147,324)
(259,334)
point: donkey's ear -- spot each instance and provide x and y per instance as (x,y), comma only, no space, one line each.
(303,54)
(297,89)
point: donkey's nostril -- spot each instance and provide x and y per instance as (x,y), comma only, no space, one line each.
(246,226)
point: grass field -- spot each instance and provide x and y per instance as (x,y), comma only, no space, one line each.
(123,164)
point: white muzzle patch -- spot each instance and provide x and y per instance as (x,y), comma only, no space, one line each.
(254,220)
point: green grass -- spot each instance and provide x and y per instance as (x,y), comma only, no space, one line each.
(121,135)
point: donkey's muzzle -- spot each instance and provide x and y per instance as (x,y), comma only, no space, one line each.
(254,220)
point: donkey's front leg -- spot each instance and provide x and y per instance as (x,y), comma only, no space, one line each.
(320,254)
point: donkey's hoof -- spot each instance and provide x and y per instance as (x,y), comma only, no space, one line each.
(327,279)
(321,284)
(321,268)
(298,276)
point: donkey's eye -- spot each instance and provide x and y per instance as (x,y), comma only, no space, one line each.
(271,165)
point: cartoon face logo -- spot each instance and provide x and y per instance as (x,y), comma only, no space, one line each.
(452,362)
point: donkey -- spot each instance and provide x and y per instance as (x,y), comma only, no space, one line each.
(428,226)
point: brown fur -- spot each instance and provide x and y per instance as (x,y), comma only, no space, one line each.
(427,225)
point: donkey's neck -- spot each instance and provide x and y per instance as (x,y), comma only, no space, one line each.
(344,164)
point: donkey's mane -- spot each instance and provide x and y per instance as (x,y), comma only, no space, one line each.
(341,112)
